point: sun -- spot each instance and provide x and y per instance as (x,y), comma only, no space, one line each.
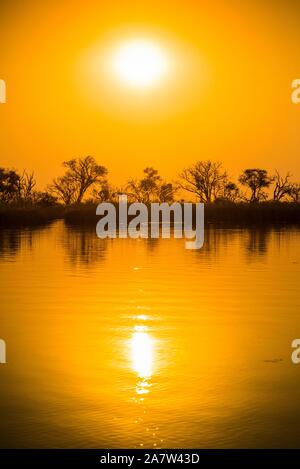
(140,63)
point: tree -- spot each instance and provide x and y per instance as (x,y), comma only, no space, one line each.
(134,190)
(26,185)
(150,183)
(84,172)
(166,192)
(294,192)
(150,188)
(64,189)
(256,180)
(205,179)
(44,199)
(81,175)
(106,193)
(282,186)
(15,188)
(230,193)
(9,184)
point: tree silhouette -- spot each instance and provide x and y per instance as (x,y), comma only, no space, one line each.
(294,192)
(282,186)
(9,184)
(64,189)
(150,183)
(26,185)
(256,180)
(205,179)
(106,193)
(44,199)
(230,192)
(166,192)
(81,175)
(150,188)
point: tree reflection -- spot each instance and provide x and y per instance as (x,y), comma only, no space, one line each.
(82,245)
(257,241)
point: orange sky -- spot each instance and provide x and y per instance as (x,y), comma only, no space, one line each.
(227,98)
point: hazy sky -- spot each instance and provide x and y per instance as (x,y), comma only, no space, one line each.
(226,97)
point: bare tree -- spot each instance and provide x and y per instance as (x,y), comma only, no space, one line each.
(65,189)
(104,194)
(81,175)
(282,186)
(26,185)
(84,172)
(256,180)
(294,192)
(205,179)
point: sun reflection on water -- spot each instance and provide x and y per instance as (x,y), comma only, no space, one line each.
(143,360)
(142,352)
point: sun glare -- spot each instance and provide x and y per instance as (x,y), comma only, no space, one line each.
(139,63)
(142,353)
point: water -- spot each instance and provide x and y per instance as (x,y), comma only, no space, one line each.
(140,343)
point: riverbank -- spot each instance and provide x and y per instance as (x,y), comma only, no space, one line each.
(246,214)
(30,216)
(218,213)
